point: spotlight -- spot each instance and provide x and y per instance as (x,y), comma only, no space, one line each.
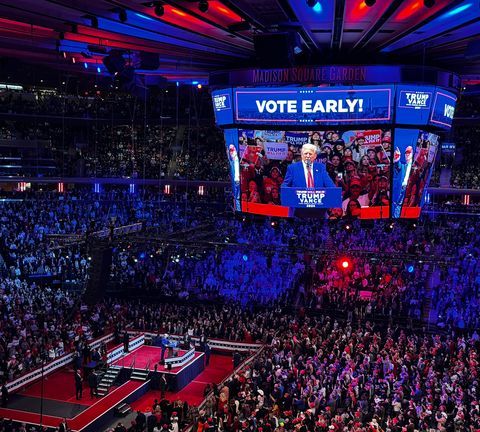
(344,264)
(203,5)
(122,15)
(429,3)
(311,3)
(370,3)
(348,227)
(389,227)
(159,10)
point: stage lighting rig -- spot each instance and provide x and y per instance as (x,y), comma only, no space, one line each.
(93,20)
(203,5)
(122,15)
(159,9)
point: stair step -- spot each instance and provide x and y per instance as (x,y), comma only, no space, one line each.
(123,409)
(108,380)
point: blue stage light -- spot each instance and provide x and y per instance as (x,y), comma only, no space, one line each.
(194,82)
(410,268)
(98,69)
(318,8)
(245,257)
(85,65)
(457,10)
(144,16)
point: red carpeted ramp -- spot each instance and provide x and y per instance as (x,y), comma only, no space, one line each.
(92,418)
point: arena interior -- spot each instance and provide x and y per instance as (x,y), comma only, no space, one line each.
(240,215)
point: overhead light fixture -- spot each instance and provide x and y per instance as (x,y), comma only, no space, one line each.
(122,15)
(429,3)
(203,5)
(93,20)
(159,9)
(370,3)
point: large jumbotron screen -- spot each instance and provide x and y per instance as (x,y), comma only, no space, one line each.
(376,144)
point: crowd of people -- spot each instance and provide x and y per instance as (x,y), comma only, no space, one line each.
(260,267)
(318,374)
(355,161)
(365,329)
(101,102)
(464,169)
(106,135)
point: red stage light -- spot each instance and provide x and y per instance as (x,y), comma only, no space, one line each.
(344,264)
(408,11)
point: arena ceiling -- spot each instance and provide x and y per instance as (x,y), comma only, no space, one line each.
(75,35)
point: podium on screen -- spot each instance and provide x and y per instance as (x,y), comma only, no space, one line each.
(300,197)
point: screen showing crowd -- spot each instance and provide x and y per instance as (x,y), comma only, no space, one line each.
(413,162)
(357,161)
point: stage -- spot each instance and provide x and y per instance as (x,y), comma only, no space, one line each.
(48,402)
(184,367)
(48,399)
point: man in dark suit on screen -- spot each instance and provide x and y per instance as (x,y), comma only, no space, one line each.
(310,175)
(307,173)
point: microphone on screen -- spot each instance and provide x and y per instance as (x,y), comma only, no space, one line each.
(308,162)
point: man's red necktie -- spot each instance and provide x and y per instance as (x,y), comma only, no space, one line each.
(309,178)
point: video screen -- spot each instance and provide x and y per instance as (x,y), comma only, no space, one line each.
(413,162)
(315,105)
(357,161)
